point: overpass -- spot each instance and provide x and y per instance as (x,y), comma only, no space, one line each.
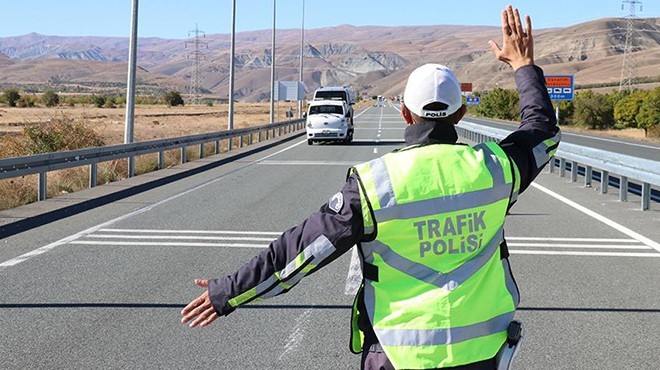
(104,287)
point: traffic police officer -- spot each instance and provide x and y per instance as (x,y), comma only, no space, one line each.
(437,289)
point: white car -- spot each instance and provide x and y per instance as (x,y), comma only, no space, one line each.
(329,120)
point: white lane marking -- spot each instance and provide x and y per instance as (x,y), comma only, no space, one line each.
(363,112)
(297,335)
(603,219)
(598,254)
(597,240)
(375,150)
(229,232)
(166,244)
(177,237)
(354,276)
(307,163)
(24,257)
(586,246)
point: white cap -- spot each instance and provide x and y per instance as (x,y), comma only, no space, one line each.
(432,83)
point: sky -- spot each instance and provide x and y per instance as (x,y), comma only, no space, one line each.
(174,19)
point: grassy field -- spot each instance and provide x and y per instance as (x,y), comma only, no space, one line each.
(107,125)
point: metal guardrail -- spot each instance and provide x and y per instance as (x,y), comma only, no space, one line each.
(589,162)
(43,163)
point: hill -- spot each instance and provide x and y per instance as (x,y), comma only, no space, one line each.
(375,60)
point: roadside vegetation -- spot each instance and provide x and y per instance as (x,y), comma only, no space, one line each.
(612,111)
(54,122)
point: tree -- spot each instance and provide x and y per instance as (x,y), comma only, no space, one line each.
(11,96)
(50,98)
(595,111)
(173,98)
(649,112)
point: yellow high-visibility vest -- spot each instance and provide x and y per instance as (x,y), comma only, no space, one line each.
(441,295)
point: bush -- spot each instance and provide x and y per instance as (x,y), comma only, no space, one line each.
(98,101)
(11,96)
(499,103)
(59,134)
(173,98)
(50,98)
(27,102)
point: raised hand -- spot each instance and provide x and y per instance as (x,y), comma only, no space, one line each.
(517,44)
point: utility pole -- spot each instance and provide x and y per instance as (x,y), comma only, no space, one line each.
(196,56)
(302,50)
(230,114)
(629,68)
(131,82)
(272,69)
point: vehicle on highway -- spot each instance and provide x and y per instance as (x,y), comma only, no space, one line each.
(329,120)
(344,93)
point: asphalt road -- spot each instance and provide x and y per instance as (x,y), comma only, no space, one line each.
(103,288)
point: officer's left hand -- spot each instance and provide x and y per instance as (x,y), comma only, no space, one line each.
(200,310)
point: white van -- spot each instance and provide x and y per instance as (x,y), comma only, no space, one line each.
(344,93)
(329,120)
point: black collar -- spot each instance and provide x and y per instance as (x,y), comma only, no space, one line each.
(430,133)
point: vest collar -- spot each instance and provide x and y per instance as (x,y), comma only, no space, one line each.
(430,133)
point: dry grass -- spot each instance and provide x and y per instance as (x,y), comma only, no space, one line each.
(151,122)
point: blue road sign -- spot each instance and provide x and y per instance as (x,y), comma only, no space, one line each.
(472,100)
(560,87)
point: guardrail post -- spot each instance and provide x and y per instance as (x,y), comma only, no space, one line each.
(623,189)
(184,155)
(217,147)
(131,166)
(604,181)
(588,174)
(230,143)
(562,167)
(251,139)
(161,159)
(240,142)
(93,171)
(201,150)
(574,171)
(646,196)
(551,165)
(41,187)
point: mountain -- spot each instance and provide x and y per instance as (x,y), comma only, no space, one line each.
(375,60)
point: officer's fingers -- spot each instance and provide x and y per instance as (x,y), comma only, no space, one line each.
(506,30)
(202,283)
(528,20)
(495,48)
(518,24)
(511,20)
(202,317)
(211,318)
(194,303)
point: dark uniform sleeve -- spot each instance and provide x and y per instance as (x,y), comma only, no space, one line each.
(298,252)
(532,145)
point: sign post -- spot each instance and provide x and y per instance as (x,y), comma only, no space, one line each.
(560,88)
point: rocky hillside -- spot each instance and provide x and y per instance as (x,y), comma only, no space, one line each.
(375,60)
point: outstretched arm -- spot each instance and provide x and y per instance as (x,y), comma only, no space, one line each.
(297,253)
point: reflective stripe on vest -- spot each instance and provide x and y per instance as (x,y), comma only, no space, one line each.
(283,280)
(474,331)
